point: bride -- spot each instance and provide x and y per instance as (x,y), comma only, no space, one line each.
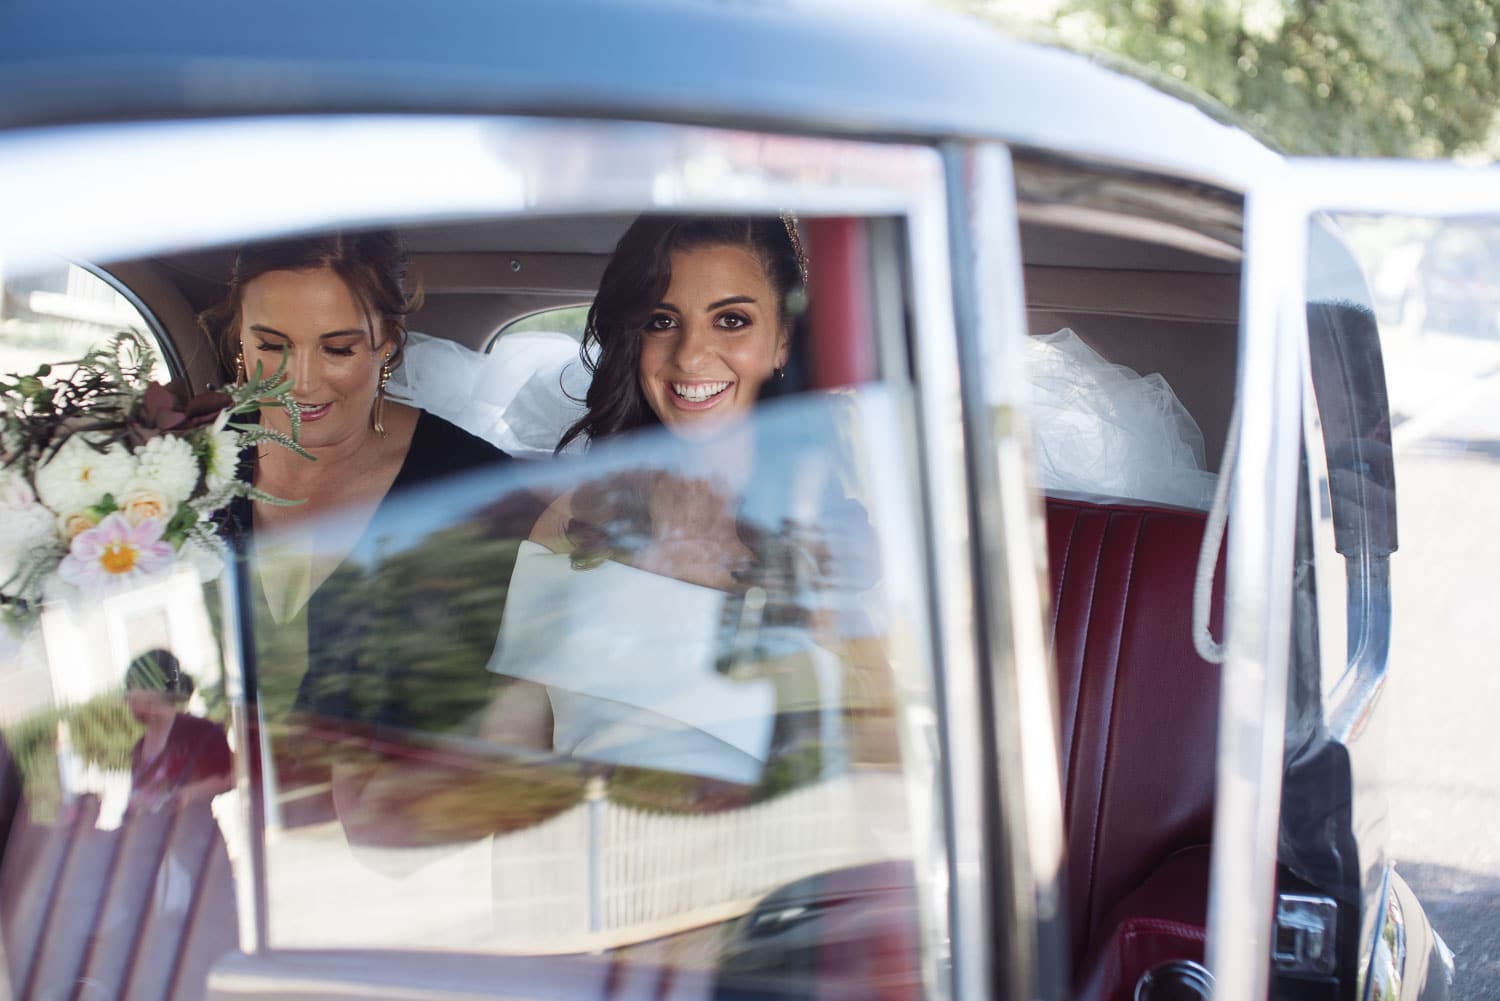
(658,615)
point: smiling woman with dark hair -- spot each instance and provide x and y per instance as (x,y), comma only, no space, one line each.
(670,615)
(663,281)
(691,327)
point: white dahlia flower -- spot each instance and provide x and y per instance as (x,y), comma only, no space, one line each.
(166,465)
(77,476)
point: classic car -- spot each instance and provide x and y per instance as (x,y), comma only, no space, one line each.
(1007,769)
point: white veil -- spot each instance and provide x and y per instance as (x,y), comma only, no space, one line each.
(1100,428)
(521,396)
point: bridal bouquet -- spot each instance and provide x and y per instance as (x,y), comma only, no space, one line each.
(109,477)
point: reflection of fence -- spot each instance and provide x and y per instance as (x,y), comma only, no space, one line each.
(597,875)
(658,873)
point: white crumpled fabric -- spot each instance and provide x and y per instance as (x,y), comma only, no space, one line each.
(1102,429)
(521,396)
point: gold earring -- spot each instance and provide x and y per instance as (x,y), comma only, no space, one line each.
(240,375)
(377,415)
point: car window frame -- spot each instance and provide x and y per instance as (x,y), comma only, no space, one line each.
(676,168)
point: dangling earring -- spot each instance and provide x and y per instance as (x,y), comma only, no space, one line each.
(240,375)
(781,373)
(377,415)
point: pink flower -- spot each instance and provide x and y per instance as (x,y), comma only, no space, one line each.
(115,551)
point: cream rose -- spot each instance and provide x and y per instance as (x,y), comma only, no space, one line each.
(71,525)
(142,504)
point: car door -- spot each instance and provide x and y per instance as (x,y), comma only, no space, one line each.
(1348,394)
(891,836)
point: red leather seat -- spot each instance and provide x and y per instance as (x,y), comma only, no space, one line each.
(1139,729)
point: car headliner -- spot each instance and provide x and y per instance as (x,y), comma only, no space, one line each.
(882,71)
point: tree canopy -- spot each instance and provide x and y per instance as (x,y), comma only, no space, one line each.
(1347,77)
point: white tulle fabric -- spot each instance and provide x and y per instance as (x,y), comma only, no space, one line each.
(1102,429)
(521,396)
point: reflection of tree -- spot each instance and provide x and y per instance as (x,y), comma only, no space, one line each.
(101,732)
(398,660)
(404,643)
(397,678)
(795,612)
(438,610)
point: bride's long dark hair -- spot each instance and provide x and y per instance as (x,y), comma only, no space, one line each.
(634,281)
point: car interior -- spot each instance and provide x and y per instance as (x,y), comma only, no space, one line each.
(1147,274)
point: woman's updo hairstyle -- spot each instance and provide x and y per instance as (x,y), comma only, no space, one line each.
(372,264)
(634,282)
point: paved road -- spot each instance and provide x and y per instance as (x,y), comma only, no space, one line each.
(1445,682)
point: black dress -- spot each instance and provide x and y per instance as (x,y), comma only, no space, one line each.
(397,639)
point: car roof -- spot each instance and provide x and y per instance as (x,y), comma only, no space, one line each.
(882,71)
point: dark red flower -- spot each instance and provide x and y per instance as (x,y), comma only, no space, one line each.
(170,408)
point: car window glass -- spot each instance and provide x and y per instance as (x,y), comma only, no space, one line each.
(119,768)
(568,320)
(60,314)
(711,750)
(677,717)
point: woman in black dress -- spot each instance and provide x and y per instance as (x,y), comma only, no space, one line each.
(319,608)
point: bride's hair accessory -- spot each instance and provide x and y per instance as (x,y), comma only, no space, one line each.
(789,220)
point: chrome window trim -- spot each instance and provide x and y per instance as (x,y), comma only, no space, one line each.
(1010,557)
(312,173)
(954,616)
(1389,187)
(1257,600)
(1328,562)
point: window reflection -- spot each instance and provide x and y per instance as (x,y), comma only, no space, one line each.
(630,723)
(117,795)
